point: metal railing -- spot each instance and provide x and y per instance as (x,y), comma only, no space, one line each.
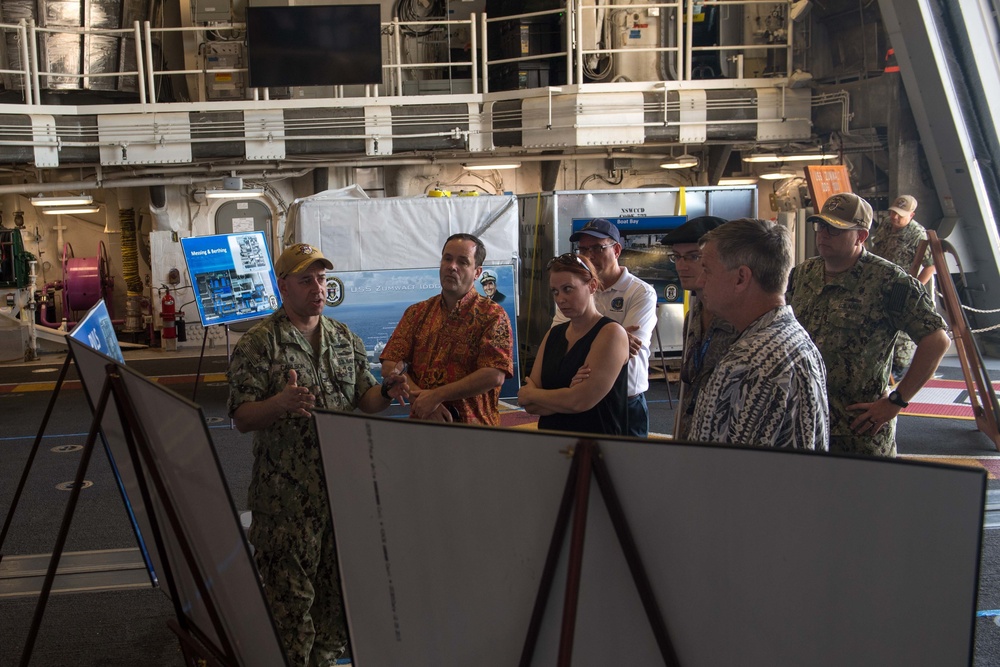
(573,17)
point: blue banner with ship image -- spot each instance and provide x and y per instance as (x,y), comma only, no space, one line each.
(371,304)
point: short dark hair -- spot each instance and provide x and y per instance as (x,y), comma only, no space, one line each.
(761,245)
(480,248)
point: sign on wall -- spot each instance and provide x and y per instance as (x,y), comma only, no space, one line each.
(642,253)
(232,277)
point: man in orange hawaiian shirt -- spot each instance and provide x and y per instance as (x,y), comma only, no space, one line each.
(458,344)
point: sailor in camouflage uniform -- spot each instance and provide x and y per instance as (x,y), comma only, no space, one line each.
(897,241)
(707,337)
(286,365)
(853,304)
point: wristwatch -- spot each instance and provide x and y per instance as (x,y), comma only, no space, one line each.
(896,399)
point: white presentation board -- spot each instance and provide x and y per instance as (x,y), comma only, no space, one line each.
(194,507)
(755,556)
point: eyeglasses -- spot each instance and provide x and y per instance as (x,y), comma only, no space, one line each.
(592,250)
(691,257)
(568,259)
(828,228)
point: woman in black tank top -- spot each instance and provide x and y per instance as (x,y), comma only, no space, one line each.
(596,404)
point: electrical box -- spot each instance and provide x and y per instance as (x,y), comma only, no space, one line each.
(225,84)
(210,11)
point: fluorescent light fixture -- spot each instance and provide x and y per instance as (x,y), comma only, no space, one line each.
(73,200)
(789,157)
(232,188)
(805,157)
(489,166)
(762,157)
(778,175)
(681,162)
(244,193)
(738,180)
(71,210)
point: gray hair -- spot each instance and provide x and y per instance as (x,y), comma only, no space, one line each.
(762,246)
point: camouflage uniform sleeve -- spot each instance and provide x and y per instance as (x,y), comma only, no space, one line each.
(928,259)
(249,376)
(362,370)
(911,309)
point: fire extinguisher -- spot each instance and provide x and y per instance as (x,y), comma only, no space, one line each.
(168,314)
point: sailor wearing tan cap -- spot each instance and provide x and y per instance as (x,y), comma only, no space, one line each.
(853,303)
(289,363)
(896,240)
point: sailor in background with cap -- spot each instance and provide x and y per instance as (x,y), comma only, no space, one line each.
(896,240)
(853,303)
(286,365)
(489,283)
(707,337)
(627,300)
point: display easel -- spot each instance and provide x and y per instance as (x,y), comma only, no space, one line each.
(31,459)
(31,454)
(587,463)
(982,396)
(196,646)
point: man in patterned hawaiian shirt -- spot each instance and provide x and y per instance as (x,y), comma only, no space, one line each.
(458,344)
(289,363)
(852,303)
(897,241)
(770,387)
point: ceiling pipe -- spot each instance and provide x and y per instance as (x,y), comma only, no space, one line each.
(74,186)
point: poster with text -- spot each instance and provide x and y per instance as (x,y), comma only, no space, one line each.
(97,332)
(371,304)
(232,277)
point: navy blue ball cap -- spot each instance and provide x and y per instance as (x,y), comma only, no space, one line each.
(692,230)
(599,228)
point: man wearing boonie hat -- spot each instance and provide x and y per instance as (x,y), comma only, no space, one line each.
(896,240)
(489,282)
(853,303)
(289,363)
(707,337)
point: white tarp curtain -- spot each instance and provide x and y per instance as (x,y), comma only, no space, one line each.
(357,233)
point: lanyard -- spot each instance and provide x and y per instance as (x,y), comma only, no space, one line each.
(701,352)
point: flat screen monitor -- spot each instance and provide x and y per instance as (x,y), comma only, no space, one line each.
(314,45)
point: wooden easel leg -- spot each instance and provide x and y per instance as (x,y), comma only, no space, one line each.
(551,560)
(635,564)
(581,499)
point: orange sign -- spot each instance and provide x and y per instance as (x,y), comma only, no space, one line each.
(825,181)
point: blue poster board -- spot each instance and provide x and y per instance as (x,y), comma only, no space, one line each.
(96,331)
(643,255)
(232,277)
(371,304)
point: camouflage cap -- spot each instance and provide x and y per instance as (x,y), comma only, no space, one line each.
(297,258)
(845,211)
